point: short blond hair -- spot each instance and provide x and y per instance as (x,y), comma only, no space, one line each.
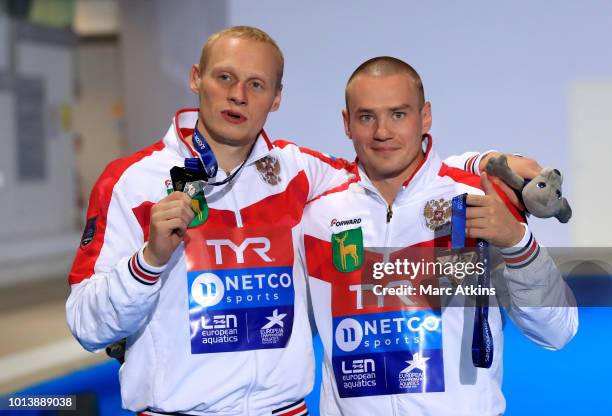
(385,66)
(243,32)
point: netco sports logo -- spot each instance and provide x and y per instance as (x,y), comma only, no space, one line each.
(240,288)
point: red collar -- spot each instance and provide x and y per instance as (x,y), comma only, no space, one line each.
(418,168)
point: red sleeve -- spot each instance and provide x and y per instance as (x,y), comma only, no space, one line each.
(97,214)
(459,175)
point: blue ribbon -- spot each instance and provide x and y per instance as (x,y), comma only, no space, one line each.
(207,159)
(482,339)
(458,221)
(194,166)
(205,166)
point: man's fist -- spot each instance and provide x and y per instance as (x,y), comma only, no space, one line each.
(488,218)
(169,220)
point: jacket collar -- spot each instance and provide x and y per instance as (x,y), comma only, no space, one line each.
(182,127)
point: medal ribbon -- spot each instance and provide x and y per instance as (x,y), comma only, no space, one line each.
(482,339)
(206,155)
(206,162)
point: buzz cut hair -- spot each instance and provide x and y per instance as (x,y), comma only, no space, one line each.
(385,66)
(244,32)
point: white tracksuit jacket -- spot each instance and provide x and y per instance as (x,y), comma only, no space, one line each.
(227,332)
(373,362)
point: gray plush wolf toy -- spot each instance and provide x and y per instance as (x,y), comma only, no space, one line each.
(541,195)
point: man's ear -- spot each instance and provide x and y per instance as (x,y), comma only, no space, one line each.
(426,117)
(277,98)
(195,79)
(347,128)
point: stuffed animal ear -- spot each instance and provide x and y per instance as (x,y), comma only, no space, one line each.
(565,212)
(498,166)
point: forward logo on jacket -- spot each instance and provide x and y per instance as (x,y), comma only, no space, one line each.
(437,213)
(269,169)
(347,250)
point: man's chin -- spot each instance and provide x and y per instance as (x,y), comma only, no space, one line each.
(231,137)
(380,174)
(386,172)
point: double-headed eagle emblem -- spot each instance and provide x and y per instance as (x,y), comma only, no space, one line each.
(269,169)
(437,213)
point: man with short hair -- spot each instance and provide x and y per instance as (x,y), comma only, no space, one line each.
(214,314)
(388,352)
(205,284)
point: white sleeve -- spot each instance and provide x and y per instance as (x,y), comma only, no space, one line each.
(538,301)
(468,161)
(323,172)
(113,290)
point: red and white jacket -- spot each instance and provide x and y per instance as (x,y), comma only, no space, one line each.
(253,224)
(374,346)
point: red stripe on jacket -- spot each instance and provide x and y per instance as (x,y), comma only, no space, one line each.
(283,209)
(216,217)
(339,188)
(295,411)
(99,201)
(523,257)
(319,262)
(468,178)
(335,163)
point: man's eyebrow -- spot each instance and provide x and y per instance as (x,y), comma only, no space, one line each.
(371,110)
(231,69)
(401,107)
(364,110)
(222,68)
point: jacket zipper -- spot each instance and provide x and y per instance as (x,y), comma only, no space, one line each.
(387,227)
(386,258)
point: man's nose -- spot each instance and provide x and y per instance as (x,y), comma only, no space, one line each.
(382,131)
(237,93)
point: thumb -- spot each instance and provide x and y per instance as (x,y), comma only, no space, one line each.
(487,186)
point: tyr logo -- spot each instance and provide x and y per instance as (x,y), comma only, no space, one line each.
(261,246)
